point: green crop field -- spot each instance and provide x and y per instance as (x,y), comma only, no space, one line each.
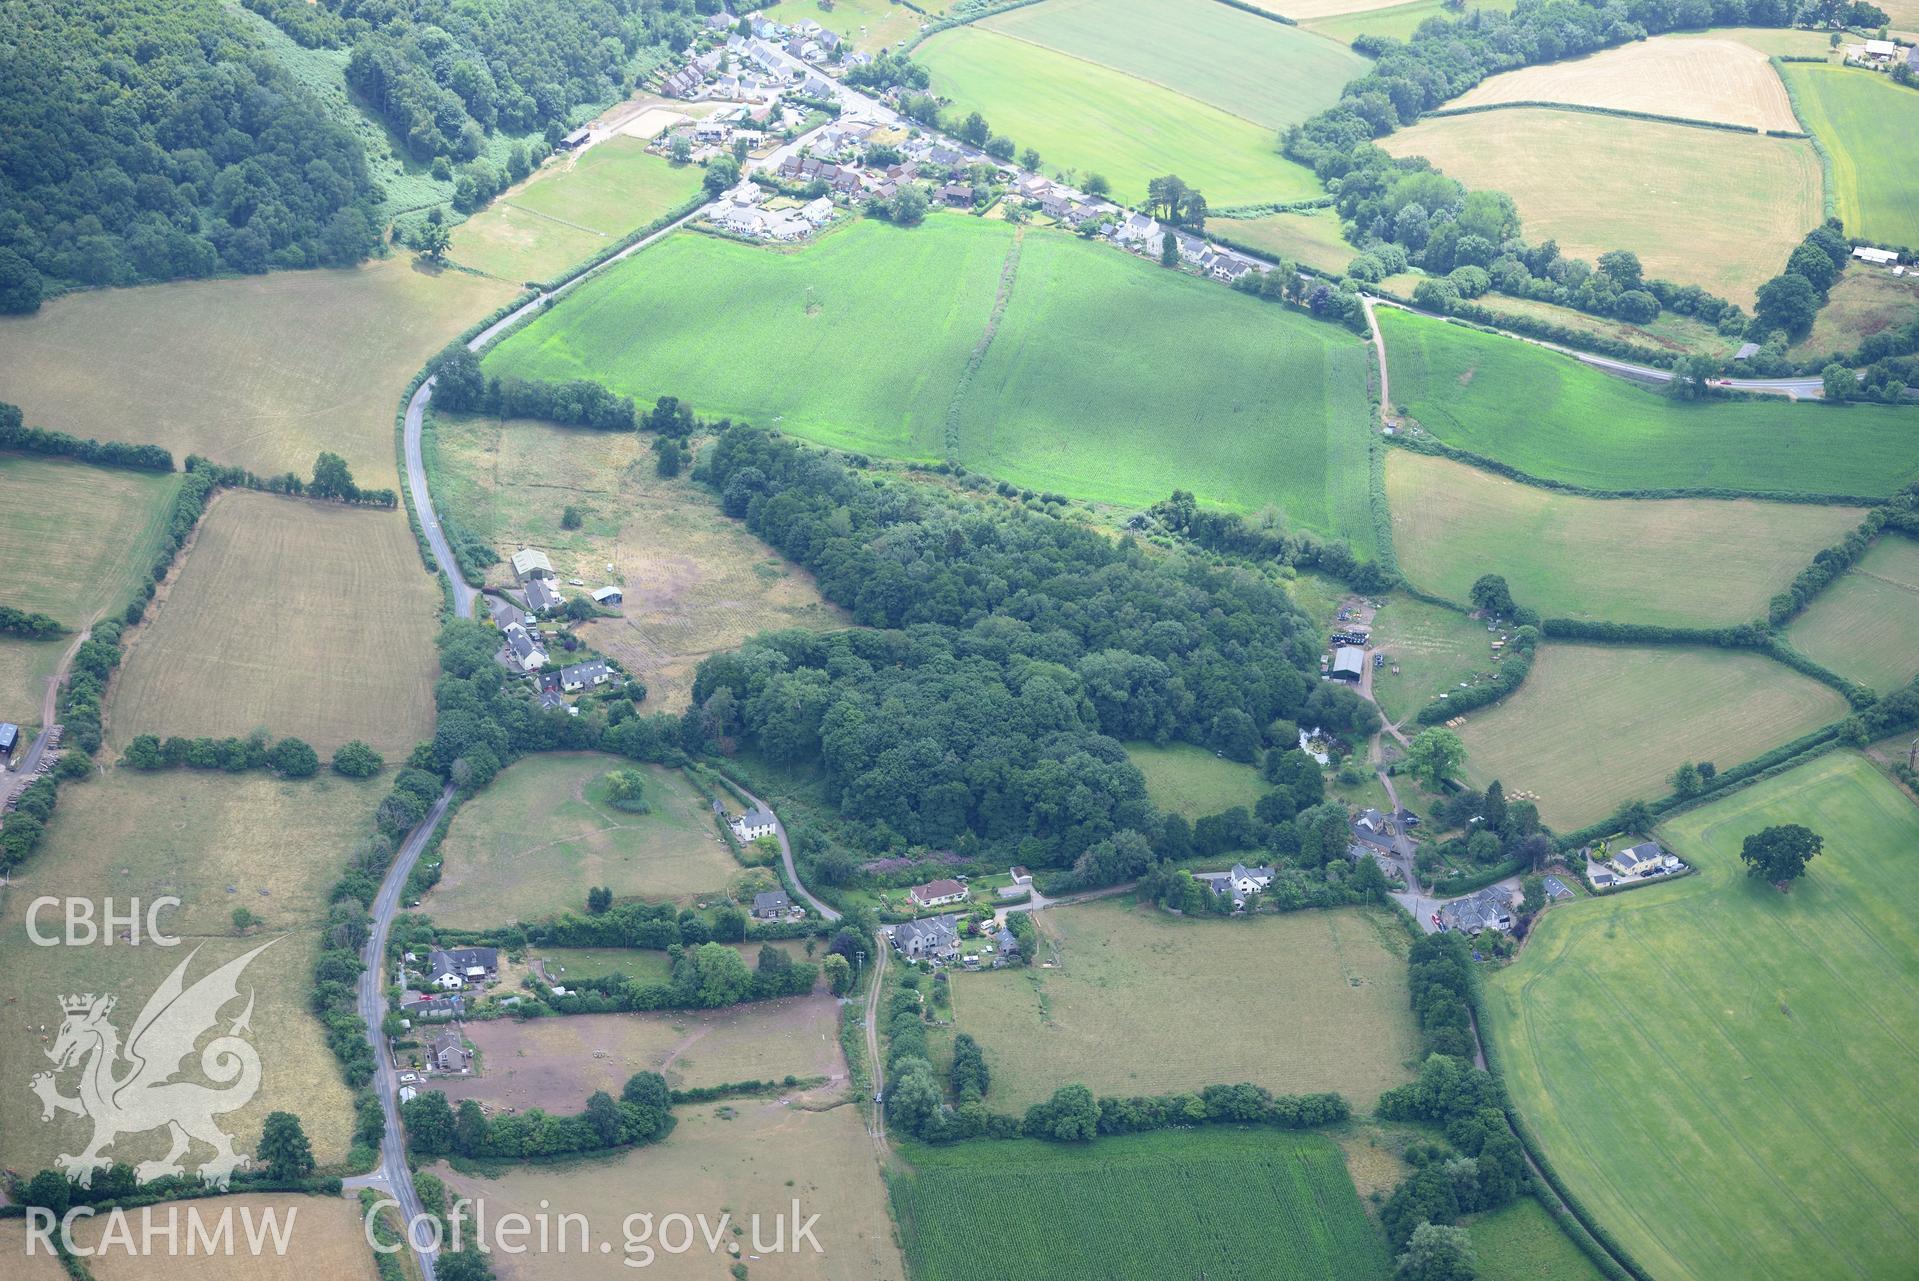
(1117,1013)
(1697,562)
(1864,626)
(1720,1071)
(1311,239)
(1262,71)
(1397,21)
(535,841)
(1552,417)
(1595,726)
(1854,112)
(1435,649)
(1595,183)
(1224,1204)
(1089,118)
(571,209)
(79,539)
(1189,780)
(1069,394)
(1520,1242)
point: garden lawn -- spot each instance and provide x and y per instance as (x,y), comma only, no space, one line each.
(1520,1242)
(1764,1042)
(535,841)
(79,539)
(1298,1003)
(1596,726)
(1090,118)
(1552,417)
(1263,71)
(1694,562)
(570,209)
(1192,781)
(1595,183)
(1435,649)
(1146,1206)
(1855,112)
(1864,626)
(1020,354)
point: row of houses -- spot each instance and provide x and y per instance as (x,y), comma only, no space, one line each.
(740,211)
(1144,235)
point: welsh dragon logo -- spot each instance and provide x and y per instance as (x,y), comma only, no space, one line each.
(129,1089)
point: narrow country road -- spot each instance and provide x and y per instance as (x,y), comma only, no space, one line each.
(786,858)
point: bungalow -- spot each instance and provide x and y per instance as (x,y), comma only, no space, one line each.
(1240,881)
(613,595)
(418,1005)
(460,967)
(448,1052)
(771,905)
(524,651)
(755,823)
(540,596)
(1021,876)
(934,938)
(588,675)
(937,893)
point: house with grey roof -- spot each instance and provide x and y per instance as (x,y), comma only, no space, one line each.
(541,598)
(755,823)
(771,905)
(1490,909)
(931,938)
(588,675)
(522,649)
(448,1052)
(451,969)
(1240,881)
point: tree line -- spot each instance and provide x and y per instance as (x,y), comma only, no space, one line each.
(165,143)
(16,436)
(708,976)
(332,480)
(1900,513)
(642,1114)
(461,386)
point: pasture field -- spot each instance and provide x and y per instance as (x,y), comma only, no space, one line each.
(543,833)
(1249,67)
(1435,648)
(1698,562)
(1669,332)
(216,842)
(570,209)
(1863,625)
(1553,417)
(1089,118)
(261,372)
(1039,1195)
(1117,1014)
(642,965)
(1637,188)
(302,617)
(697,582)
(872,25)
(1595,726)
(1852,111)
(25,667)
(1693,77)
(1311,238)
(556,1063)
(1068,394)
(1346,21)
(749,1157)
(325,1238)
(1189,780)
(1864,302)
(79,539)
(1520,1242)
(1767,1036)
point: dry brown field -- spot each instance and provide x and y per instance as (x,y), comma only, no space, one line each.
(1696,78)
(326,1242)
(18,1264)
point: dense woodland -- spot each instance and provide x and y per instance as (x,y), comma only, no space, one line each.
(146,140)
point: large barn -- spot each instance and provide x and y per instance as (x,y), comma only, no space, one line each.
(1349,663)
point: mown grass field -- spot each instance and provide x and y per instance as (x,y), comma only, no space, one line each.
(216,842)
(535,841)
(1118,1012)
(1854,112)
(1090,118)
(749,1157)
(1552,417)
(325,1237)
(1693,77)
(302,617)
(572,208)
(1146,1205)
(1071,394)
(1189,780)
(1311,239)
(872,25)
(1718,1069)
(1684,562)
(1595,726)
(1520,1242)
(1435,649)
(1865,301)
(79,539)
(25,667)
(697,583)
(1864,625)
(1246,66)
(1595,183)
(1347,20)
(261,372)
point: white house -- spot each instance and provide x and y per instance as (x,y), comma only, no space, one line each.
(755,823)
(818,212)
(937,893)
(1639,859)
(523,649)
(1240,881)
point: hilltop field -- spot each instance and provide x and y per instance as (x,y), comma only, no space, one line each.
(1016,353)
(1552,417)
(1783,1155)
